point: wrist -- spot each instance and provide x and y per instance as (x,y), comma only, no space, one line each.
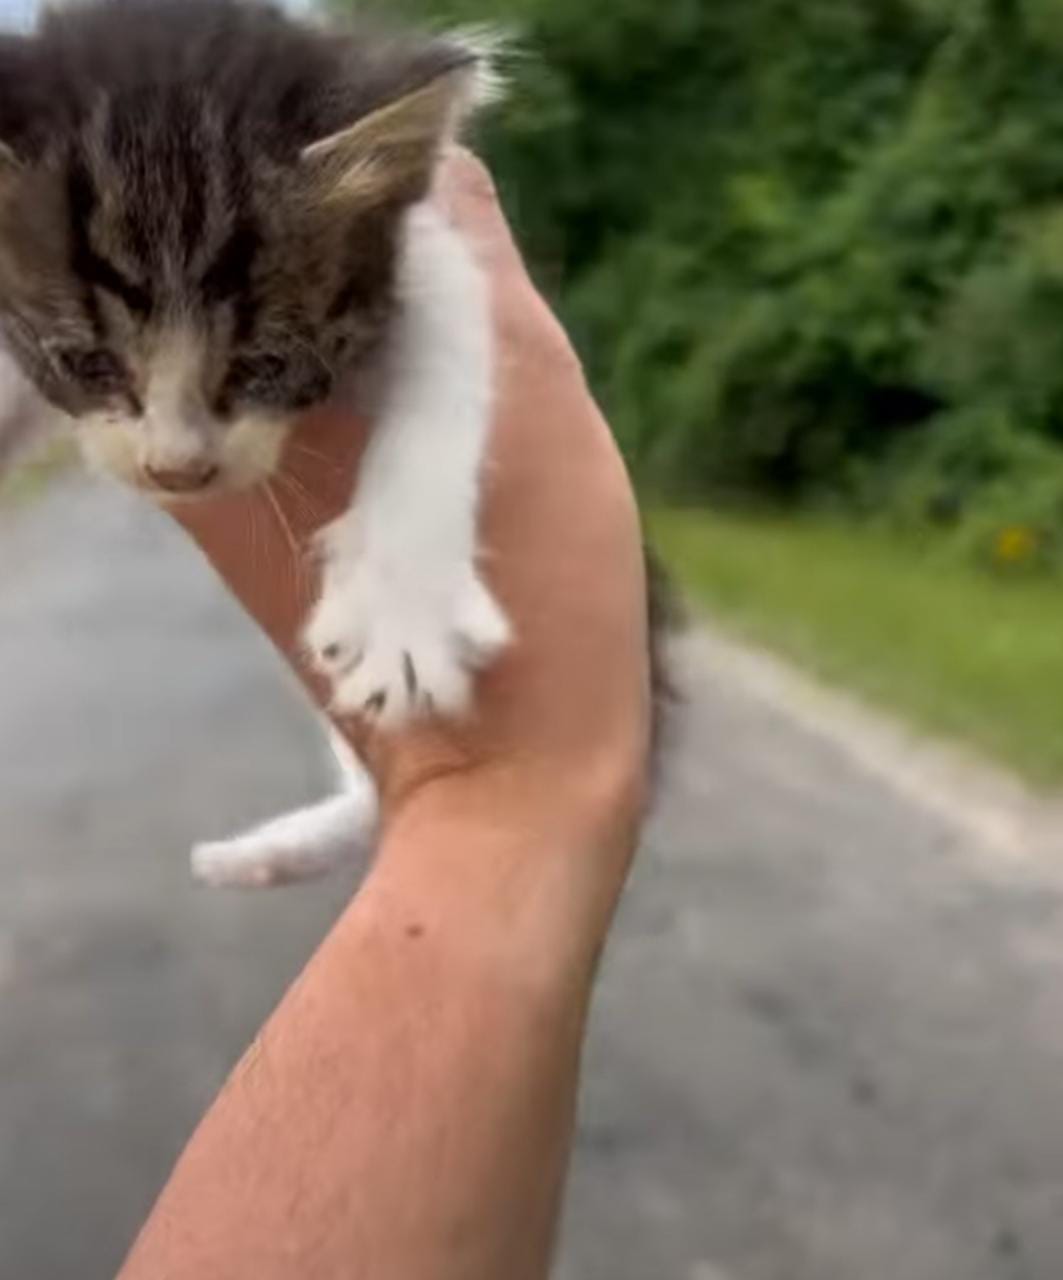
(524,871)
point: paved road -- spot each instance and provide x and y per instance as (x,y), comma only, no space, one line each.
(828,1044)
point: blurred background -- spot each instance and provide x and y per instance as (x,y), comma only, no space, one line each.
(811,252)
(813,256)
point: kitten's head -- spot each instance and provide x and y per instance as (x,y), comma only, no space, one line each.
(199,209)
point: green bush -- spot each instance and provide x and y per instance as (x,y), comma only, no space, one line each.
(811,250)
(993,490)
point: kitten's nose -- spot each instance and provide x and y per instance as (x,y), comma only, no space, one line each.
(188,478)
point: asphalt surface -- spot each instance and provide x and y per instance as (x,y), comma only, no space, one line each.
(828,1041)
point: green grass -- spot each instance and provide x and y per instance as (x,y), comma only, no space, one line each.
(957,651)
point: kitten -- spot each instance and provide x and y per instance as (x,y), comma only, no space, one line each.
(210,216)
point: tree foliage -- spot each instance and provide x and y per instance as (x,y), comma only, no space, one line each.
(809,248)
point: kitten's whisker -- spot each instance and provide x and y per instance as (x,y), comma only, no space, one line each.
(300,503)
(252,511)
(298,447)
(299,495)
(286,528)
(296,341)
(250,534)
(267,540)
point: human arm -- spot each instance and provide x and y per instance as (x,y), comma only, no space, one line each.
(406,1113)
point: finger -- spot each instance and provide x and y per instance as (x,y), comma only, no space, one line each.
(466,191)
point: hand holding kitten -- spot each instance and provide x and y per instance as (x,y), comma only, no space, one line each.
(561,722)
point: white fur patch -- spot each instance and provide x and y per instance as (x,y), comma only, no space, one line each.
(404,619)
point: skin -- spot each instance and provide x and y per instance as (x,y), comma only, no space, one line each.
(407,1111)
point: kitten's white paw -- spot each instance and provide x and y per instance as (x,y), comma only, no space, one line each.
(396,646)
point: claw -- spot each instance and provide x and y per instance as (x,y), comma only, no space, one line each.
(409,671)
(375,705)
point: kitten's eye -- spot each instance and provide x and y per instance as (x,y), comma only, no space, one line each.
(275,380)
(256,377)
(95,369)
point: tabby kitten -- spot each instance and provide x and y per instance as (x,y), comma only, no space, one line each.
(213,217)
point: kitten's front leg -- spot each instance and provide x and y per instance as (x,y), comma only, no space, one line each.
(404,619)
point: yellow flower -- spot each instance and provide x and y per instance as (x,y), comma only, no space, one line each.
(1016,545)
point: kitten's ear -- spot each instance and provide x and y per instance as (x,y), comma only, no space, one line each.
(389,154)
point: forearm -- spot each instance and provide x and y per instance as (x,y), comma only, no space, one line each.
(406,1113)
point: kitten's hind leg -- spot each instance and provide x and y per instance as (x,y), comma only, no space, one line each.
(297,846)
